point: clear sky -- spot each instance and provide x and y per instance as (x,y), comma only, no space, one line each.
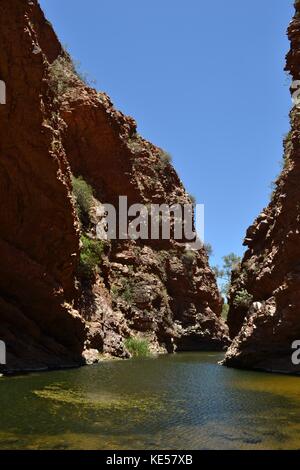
(204,79)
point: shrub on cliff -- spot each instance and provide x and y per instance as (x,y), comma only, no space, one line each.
(61,75)
(83,194)
(90,258)
(243,299)
(125,291)
(137,347)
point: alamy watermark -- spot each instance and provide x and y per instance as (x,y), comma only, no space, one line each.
(2,353)
(181,222)
(2,344)
(2,92)
(296,353)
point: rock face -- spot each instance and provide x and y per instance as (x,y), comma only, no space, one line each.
(264,316)
(54,126)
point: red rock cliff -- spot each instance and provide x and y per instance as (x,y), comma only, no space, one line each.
(52,127)
(264,317)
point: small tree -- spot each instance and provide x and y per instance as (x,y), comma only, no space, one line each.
(243,299)
(230,262)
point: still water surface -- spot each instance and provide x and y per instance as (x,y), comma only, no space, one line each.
(184,401)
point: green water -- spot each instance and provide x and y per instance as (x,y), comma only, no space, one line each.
(185,401)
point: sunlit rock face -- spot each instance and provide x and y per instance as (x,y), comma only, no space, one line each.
(264,316)
(54,126)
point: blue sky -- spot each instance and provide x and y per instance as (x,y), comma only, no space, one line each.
(204,80)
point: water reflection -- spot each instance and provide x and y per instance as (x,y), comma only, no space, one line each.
(185,401)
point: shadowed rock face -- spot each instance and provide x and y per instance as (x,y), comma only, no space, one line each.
(263,331)
(47,133)
(39,240)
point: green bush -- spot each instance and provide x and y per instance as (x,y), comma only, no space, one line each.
(243,299)
(137,347)
(126,291)
(90,257)
(83,194)
(61,75)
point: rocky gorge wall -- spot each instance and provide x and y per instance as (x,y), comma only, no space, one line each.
(54,128)
(264,315)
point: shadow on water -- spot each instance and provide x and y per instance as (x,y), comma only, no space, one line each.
(184,401)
